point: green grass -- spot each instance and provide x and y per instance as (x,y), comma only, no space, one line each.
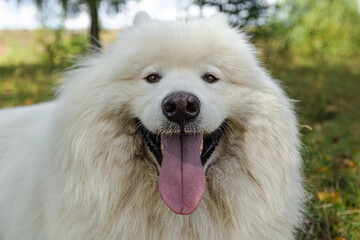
(25,84)
(328,107)
(328,103)
(31,62)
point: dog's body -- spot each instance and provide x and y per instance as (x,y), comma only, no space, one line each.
(78,168)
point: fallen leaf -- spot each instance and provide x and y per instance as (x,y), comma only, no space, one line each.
(345,162)
(329,196)
(29,101)
(339,238)
(324,169)
(350,164)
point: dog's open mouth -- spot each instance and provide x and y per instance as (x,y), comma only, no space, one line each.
(182,157)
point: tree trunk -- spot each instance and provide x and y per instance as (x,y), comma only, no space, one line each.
(94,28)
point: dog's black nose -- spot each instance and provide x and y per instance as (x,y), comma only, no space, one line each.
(181,107)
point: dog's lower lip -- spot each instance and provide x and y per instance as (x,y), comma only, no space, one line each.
(209,143)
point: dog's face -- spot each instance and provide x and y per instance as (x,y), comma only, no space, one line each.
(179,80)
(181,116)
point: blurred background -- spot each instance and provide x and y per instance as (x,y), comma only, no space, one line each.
(312,47)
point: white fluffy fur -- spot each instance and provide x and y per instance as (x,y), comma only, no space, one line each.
(76,168)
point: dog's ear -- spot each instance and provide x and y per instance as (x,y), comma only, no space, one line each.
(140,18)
(220,18)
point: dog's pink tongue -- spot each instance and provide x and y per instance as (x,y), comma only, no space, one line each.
(182,177)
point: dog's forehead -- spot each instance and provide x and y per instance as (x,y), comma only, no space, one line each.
(184,42)
(184,45)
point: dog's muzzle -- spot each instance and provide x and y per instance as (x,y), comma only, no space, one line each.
(182,154)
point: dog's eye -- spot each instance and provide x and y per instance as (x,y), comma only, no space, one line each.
(152,78)
(209,78)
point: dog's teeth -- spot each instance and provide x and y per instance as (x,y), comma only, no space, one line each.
(162,148)
(201,146)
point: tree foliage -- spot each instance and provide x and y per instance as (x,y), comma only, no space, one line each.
(73,7)
(319,30)
(241,12)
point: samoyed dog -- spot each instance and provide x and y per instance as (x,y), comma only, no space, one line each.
(174,132)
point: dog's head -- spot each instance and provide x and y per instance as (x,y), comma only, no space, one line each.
(182,83)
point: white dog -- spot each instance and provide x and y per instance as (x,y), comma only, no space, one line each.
(176,118)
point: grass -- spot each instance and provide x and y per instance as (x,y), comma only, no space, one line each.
(31,62)
(328,106)
(330,127)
